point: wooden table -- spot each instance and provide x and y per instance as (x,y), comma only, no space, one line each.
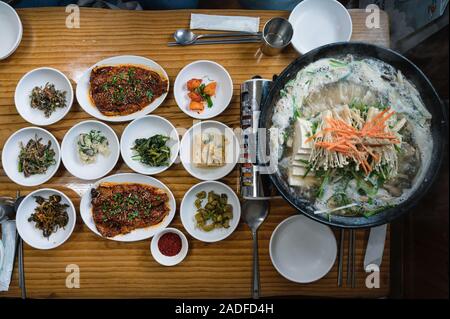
(126,270)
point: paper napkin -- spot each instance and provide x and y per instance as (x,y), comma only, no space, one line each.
(224,23)
(9,243)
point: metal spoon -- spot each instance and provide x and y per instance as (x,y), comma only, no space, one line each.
(254,212)
(186,37)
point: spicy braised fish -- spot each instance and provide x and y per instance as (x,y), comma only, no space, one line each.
(122,90)
(119,208)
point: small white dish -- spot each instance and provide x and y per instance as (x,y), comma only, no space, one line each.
(302,250)
(319,22)
(208,71)
(232,151)
(39,77)
(169,260)
(32,235)
(102,165)
(11,151)
(188,210)
(146,127)
(137,234)
(10,30)
(83,87)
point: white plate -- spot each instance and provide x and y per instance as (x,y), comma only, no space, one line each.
(169,260)
(232,150)
(11,151)
(302,250)
(10,30)
(39,77)
(102,165)
(33,236)
(208,71)
(146,127)
(83,87)
(188,210)
(319,22)
(137,234)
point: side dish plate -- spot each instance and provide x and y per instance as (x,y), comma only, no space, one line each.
(83,87)
(11,151)
(32,235)
(137,234)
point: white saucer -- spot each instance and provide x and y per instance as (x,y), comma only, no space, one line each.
(302,250)
(319,22)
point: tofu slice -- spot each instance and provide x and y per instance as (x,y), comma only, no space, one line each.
(305,133)
(216,151)
(298,181)
(301,157)
(302,131)
(197,150)
(300,171)
(208,150)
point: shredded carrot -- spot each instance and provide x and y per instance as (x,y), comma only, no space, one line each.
(354,143)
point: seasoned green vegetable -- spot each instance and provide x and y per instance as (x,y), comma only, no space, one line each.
(47,99)
(35,157)
(152,151)
(216,213)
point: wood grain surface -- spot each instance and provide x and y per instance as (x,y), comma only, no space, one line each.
(127,270)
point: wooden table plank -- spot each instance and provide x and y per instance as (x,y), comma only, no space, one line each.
(127,270)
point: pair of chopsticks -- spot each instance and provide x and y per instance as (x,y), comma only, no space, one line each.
(19,250)
(351,257)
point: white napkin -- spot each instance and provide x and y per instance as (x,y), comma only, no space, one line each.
(9,243)
(224,23)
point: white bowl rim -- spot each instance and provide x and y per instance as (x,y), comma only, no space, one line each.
(288,220)
(19,36)
(69,102)
(58,161)
(186,135)
(238,216)
(178,258)
(302,3)
(71,206)
(195,115)
(162,168)
(116,140)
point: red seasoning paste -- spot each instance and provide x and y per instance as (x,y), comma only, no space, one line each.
(169,244)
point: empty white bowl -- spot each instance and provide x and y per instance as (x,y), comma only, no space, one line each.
(319,22)
(232,151)
(208,71)
(11,151)
(169,260)
(146,127)
(39,77)
(302,250)
(10,30)
(188,210)
(32,235)
(102,165)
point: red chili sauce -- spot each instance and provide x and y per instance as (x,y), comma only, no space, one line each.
(169,244)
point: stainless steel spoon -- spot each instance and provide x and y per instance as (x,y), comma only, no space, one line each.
(254,212)
(186,37)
